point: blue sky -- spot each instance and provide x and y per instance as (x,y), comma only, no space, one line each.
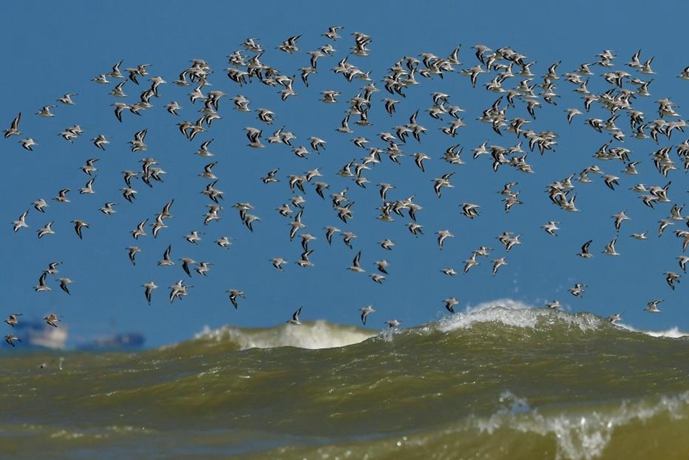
(58,49)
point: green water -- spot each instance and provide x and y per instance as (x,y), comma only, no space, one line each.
(493,384)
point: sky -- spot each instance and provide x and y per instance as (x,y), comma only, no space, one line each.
(58,49)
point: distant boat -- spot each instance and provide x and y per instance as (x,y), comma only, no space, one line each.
(124,342)
(38,334)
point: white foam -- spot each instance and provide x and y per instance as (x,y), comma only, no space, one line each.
(672,333)
(313,336)
(582,436)
(515,313)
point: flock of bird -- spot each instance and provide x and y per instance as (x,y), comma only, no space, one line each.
(505,74)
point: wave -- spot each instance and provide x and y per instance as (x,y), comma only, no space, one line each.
(672,333)
(518,314)
(503,317)
(309,335)
(649,428)
(498,380)
(581,434)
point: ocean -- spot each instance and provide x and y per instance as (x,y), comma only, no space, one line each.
(489,383)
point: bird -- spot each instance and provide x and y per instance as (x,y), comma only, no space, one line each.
(47,229)
(553,305)
(12,319)
(356,267)
(652,306)
(67,99)
(442,236)
(619,218)
(393,323)
(683,260)
(203,267)
(497,263)
(610,248)
(449,271)
(45,111)
(577,290)
(51,320)
(382,266)
(295,317)
(234,293)
(62,196)
(64,282)
(470,210)
(78,226)
(671,278)
(585,254)
(186,262)
(21,222)
(139,231)
(223,242)
(551,227)
(149,288)
(450,304)
(10,339)
(40,205)
(132,251)
(178,290)
(193,237)
(52,268)
(367,310)
(387,244)
(13,130)
(41,286)
(277,262)
(615,318)
(166,260)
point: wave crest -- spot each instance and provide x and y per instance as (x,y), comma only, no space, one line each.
(518,314)
(312,335)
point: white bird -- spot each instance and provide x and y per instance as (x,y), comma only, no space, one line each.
(610,248)
(577,290)
(51,319)
(149,288)
(13,130)
(551,227)
(46,230)
(356,267)
(652,306)
(277,262)
(67,99)
(64,282)
(450,303)
(449,271)
(223,242)
(555,304)
(21,222)
(295,317)
(166,260)
(615,318)
(234,294)
(193,237)
(393,323)
(619,218)
(42,287)
(442,236)
(78,226)
(12,319)
(45,111)
(367,310)
(585,250)
(10,339)
(497,263)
